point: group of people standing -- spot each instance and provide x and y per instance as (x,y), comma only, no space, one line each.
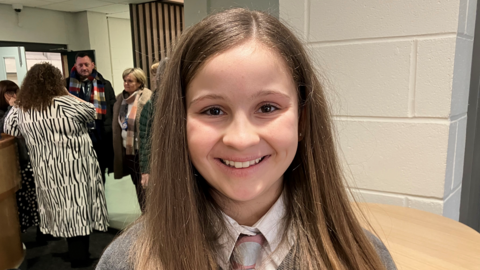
(71,133)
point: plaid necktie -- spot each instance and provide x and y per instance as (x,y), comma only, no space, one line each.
(246,251)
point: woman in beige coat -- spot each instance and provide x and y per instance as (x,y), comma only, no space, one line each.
(125,126)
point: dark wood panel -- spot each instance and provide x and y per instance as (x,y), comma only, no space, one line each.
(149,35)
(156,26)
(161,26)
(168,37)
(135,34)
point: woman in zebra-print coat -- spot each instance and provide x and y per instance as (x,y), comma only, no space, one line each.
(70,191)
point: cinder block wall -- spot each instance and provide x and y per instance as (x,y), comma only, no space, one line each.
(397,73)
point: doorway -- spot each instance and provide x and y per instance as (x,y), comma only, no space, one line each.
(27,53)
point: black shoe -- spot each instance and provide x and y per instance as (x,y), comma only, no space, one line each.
(82,263)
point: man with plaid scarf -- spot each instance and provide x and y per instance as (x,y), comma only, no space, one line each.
(88,84)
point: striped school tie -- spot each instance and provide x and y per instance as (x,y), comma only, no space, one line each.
(246,251)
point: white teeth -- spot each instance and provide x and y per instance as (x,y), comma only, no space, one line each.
(239,165)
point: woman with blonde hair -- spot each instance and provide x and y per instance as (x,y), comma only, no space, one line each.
(244,171)
(126,115)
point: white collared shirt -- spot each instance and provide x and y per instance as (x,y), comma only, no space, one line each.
(271,226)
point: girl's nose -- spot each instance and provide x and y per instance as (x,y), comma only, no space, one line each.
(241,133)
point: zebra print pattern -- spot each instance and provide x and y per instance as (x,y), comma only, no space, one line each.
(71,198)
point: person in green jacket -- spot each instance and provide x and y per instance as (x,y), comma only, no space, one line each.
(146,120)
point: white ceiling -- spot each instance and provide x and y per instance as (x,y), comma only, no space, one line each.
(114,8)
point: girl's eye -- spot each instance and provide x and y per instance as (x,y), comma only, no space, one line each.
(215,111)
(268,108)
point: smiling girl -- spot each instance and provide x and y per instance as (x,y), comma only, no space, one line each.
(244,169)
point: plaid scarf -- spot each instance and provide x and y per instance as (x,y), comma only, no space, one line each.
(127,120)
(97,96)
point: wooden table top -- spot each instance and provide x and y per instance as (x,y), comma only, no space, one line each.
(6,140)
(422,240)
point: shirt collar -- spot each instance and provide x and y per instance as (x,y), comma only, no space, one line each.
(270,225)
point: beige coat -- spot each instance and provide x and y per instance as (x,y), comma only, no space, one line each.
(118,149)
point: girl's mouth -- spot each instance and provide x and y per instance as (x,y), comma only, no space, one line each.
(242,165)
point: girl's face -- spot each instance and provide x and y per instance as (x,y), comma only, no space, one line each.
(242,122)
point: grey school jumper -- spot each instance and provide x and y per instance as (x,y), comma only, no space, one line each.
(115,256)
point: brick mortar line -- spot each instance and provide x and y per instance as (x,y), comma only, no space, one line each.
(328,43)
(424,120)
(397,194)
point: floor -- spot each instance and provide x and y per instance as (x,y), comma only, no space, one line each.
(122,210)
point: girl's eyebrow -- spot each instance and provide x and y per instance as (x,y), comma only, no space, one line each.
(263,93)
(209,96)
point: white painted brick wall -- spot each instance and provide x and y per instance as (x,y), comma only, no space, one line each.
(461,80)
(434,76)
(426,204)
(378,197)
(401,156)
(375,83)
(347,20)
(397,74)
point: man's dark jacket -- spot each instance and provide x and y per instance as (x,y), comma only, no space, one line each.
(103,142)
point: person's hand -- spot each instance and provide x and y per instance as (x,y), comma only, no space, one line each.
(145,177)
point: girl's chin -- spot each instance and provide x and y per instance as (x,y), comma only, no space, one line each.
(251,191)
(239,195)
(251,195)
(244,197)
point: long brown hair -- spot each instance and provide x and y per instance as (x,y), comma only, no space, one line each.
(182,222)
(42,83)
(6,86)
